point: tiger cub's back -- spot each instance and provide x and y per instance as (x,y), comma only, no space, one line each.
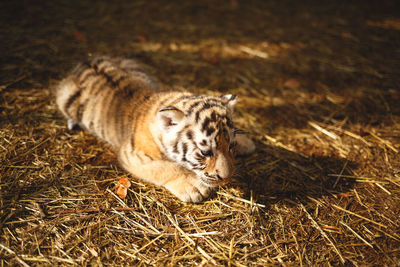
(106,95)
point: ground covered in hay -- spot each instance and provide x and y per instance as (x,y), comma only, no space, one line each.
(319,93)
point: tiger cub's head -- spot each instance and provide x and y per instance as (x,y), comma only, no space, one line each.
(198,133)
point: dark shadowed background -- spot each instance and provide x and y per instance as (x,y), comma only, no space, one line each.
(318,83)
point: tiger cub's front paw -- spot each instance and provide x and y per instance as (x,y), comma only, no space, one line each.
(245,146)
(189,189)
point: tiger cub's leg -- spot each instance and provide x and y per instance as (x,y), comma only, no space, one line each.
(188,187)
(244,145)
(183,183)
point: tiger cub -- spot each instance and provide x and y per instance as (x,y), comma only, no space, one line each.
(178,140)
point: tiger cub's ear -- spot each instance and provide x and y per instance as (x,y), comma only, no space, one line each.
(229,100)
(169,116)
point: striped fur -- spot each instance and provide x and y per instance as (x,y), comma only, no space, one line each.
(178,140)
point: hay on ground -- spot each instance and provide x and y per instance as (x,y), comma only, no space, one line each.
(319,93)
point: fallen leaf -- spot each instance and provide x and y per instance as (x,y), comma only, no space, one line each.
(141,38)
(291,83)
(121,189)
(80,36)
(347,36)
(212,60)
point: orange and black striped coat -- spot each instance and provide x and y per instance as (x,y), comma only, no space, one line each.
(178,140)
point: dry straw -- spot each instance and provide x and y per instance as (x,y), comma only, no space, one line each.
(319,96)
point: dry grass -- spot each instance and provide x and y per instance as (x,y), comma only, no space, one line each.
(319,88)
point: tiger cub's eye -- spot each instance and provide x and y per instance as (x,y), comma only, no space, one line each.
(207,153)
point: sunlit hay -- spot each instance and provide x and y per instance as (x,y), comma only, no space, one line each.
(323,187)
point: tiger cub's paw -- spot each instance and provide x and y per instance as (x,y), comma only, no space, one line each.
(189,189)
(244,145)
